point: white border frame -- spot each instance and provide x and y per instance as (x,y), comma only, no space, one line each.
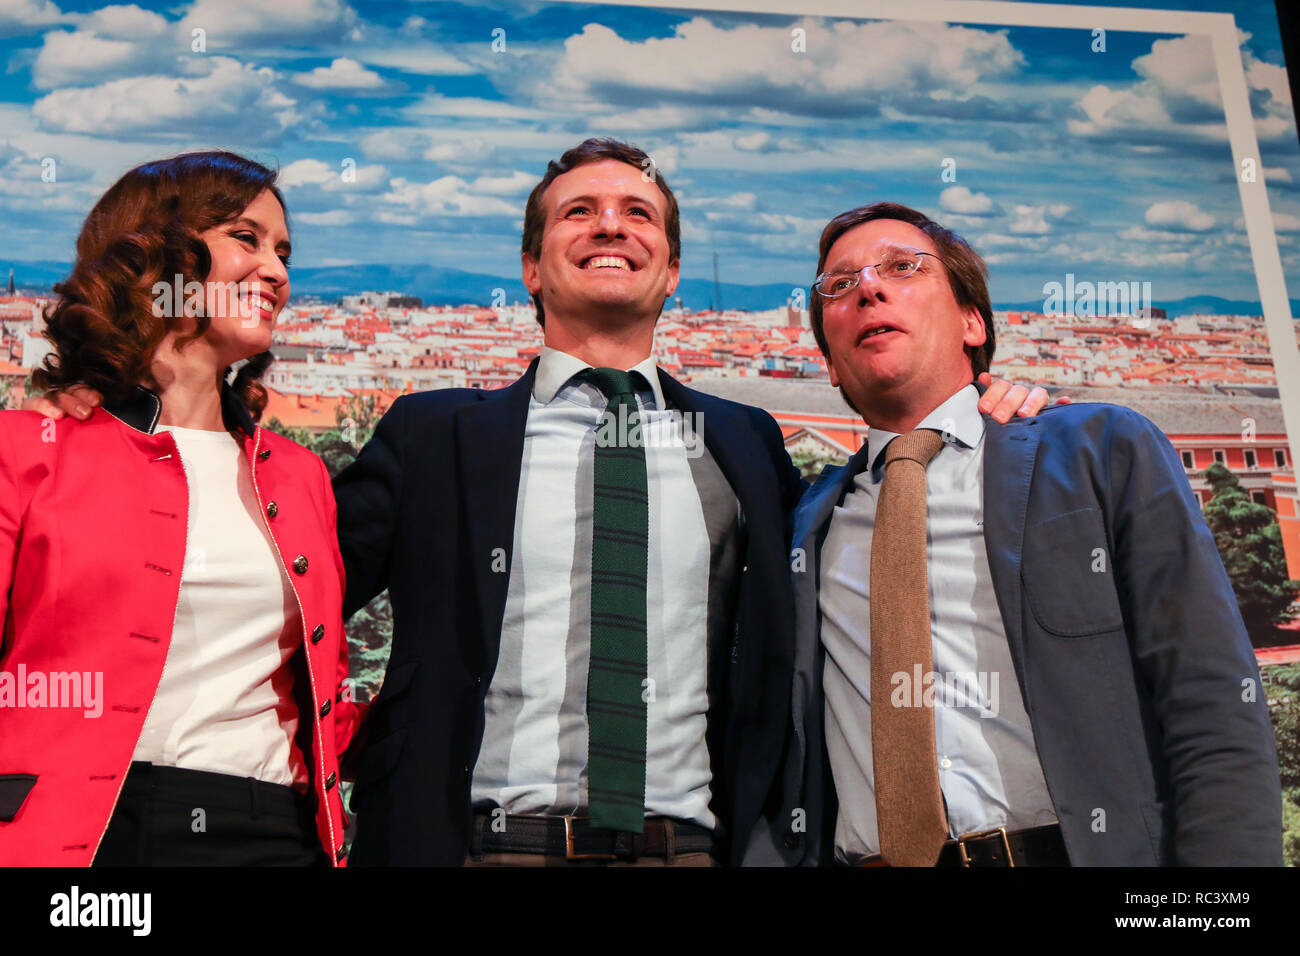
(1221,28)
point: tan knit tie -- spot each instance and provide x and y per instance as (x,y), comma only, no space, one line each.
(910,817)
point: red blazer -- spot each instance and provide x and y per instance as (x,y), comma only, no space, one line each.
(93,519)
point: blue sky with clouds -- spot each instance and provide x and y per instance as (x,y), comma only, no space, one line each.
(1113,165)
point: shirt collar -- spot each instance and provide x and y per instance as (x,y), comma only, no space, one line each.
(959,417)
(142,408)
(555,368)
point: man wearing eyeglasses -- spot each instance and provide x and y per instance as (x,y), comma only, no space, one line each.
(1045,668)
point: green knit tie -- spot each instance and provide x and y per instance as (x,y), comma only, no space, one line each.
(616,706)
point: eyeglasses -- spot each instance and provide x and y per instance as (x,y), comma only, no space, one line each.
(897,264)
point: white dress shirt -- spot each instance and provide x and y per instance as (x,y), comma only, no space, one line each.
(534,754)
(988,766)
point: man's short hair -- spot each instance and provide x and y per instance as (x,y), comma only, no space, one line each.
(593,151)
(967,273)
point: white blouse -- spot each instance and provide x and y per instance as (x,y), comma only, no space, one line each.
(225,702)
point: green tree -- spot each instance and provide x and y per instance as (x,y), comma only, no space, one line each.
(810,464)
(1282,683)
(355,419)
(1282,686)
(6,394)
(1250,543)
(299,435)
(370,635)
(1290,829)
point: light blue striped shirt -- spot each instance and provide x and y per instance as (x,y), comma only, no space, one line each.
(534,754)
(988,766)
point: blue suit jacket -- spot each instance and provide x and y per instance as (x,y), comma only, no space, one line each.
(1139,680)
(428,511)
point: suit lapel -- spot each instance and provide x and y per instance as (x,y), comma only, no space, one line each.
(815,508)
(733,443)
(489,454)
(1009,454)
(811,520)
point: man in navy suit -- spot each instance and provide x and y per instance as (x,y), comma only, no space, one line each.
(1094,697)
(475,509)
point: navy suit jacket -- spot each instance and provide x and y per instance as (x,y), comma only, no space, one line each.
(428,511)
(1140,683)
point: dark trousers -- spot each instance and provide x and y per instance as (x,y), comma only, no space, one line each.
(168,816)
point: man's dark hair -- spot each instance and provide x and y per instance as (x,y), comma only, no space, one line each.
(967,273)
(593,151)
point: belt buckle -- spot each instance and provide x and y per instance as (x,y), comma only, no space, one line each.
(568,844)
(1002,831)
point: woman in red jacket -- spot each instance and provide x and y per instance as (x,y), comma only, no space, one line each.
(173,663)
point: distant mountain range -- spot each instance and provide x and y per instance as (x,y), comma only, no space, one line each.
(440,286)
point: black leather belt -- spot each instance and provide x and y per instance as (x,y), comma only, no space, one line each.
(1036,846)
(575,839)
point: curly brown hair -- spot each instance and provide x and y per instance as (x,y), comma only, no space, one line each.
(145,229)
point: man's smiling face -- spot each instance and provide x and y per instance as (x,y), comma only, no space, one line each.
(604,245)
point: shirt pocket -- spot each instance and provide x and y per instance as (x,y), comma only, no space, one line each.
(1068,575)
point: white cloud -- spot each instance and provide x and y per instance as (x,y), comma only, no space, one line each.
(68,58)
(229,95)
(107,43)
(1142,234)
(1286,222)
(1270,77)
(401,144)
(991,239)
(22,16)
(1037,220)
(1179,215)
(635,121)
(1137,113)
(315,172)
(473,151)
(124,22)
(342,74)
(516,184)
(960,199)
(424,59)
(244,23)
(307,172)
(1182,67)
(1178,98)
(445,196)
(734,201)
(334,217)
(435,104)
(754,142)
(706,64)
(666,159)
(764,142)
